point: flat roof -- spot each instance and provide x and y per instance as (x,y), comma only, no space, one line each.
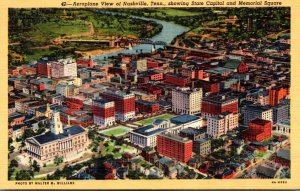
(181,119)
(176,138)
(218,70)
(192,131)
(146,130)
(102,100)
(219,98)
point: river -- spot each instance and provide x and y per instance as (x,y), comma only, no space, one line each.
(168,33)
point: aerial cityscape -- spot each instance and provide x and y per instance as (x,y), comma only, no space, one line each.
(157,93)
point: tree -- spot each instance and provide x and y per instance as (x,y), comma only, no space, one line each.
(11,149)
(58,160)
(23,175)
(10,172)
(92,133)
(14,163)
(67,171)
(10,141)
(28,133)
(57,175)
(40,130)
(36,167)
(40,124)
(133,175)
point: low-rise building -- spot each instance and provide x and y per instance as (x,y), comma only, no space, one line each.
(202,146)
(177,79)
(283,157)
(181,122)
(259,130)
(193,133)
(146,106)
(147,136)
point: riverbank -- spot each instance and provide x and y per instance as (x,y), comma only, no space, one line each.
(98,52)
(168,33)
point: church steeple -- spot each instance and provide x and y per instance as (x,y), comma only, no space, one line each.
(56,124)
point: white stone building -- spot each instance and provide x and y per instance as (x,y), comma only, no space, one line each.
(221,124)
(187,101)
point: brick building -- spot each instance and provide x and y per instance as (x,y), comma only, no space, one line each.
(124,103)
(44,69)
(74,103)
(146,106)
(237,66)
(104,112)
(174,147)
(276,94)
(85,62)
(208,86)
(177,79)
(218,104)
(259,130)
(192,72)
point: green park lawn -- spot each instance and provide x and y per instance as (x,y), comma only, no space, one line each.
(55,29)
(37,54)
(152,119)
(110,150)
(115,132)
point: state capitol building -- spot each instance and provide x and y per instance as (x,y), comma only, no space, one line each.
(58,141)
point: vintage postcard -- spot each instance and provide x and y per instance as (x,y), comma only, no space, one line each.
(150,94)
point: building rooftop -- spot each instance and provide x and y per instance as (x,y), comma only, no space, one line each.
(50,137)
(192,131)
(267,171)
(102,100)
(181,119)
(187,90)
(176,75)
(176,138)
(258,93)
(145,102)
(148,130)
(232,64)
(201,140)
(220,98)
(284,153)
(219,70)
(117,92)
(260,121)
(166,161)
(258,107)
